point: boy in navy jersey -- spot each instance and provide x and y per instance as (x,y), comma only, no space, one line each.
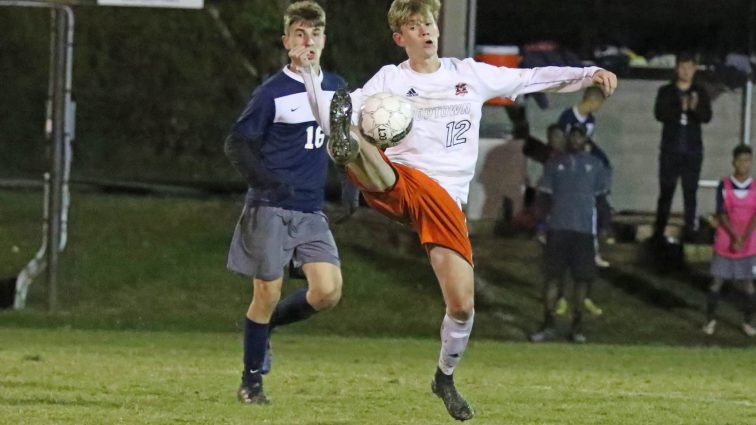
(279,148)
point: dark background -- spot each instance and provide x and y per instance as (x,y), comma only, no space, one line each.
(158,89)
(646,26)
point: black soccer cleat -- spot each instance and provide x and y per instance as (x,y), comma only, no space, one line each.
(341,147)
(458,408)
(251,391)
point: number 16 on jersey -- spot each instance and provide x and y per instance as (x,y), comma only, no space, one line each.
(315,137)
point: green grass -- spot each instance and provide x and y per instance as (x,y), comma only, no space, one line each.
(147,332)
(151,263)
(159,264)
(112,377)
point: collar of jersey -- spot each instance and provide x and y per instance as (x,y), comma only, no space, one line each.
(433,74)
(739,184)
(293,75)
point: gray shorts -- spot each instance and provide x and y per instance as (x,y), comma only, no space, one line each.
(267,238)
(733,268)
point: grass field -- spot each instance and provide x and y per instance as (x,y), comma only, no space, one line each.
(148,333)
(118,377)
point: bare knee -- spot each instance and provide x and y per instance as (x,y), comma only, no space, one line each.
(324,282)
(460,309)
(266,296)
(324,299)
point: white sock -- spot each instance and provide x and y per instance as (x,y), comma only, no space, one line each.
(454,336)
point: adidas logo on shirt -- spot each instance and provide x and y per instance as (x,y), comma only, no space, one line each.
(411,93)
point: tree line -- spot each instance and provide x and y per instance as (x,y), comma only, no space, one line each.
(157,89)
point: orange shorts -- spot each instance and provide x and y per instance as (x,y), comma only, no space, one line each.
(420,201)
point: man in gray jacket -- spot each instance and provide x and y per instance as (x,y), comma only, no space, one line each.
(567,195)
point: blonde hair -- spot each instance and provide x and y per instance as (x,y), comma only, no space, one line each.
(401,11)
(304,11)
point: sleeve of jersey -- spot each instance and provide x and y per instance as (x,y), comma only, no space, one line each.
(512,82)
(254,121)
(243,145)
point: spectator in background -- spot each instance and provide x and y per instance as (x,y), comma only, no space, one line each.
(681,106)
(538,151)
(556,140)
(556,143)
(567,196)
(582,113)
(734,247)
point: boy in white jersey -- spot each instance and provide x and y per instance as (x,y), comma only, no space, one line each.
(424,180)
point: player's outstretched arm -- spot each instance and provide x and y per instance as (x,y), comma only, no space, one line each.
(559,79)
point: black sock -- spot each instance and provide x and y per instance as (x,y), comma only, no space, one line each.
(255,343)
(712,299)
(293,308)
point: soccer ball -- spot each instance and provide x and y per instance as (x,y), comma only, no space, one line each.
(385,119)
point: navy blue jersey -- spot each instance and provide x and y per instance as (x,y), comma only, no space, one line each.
(570,117)
(280,124)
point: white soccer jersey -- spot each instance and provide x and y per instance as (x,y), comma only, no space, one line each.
(447,108)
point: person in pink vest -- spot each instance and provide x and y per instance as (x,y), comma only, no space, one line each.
(734,244)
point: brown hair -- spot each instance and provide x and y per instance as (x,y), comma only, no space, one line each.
(741,150)
(402,10)
(304,11)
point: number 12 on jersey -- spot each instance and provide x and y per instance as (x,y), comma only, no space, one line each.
(454,132)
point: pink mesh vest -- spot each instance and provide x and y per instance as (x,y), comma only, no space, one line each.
(739,212)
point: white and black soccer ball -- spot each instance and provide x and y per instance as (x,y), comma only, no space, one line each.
(385,119)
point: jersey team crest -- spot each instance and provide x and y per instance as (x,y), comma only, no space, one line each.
(461,89)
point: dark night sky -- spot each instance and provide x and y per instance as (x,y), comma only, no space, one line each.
(713,26)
